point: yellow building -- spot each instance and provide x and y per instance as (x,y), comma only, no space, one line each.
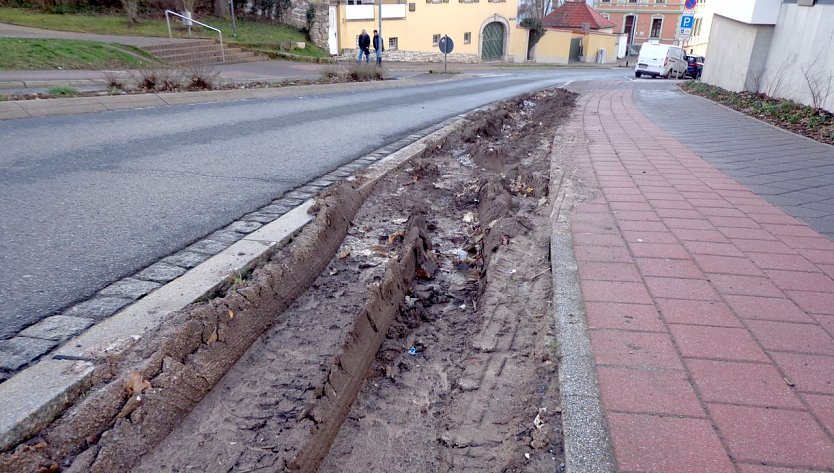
(482,30)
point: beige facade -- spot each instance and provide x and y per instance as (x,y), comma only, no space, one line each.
(413,29)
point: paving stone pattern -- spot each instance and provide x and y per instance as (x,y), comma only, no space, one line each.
(790,171)
(711,311)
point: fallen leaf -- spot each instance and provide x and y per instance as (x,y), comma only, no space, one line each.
(395,237)
(213,337)
(135,384)
(344,254)
(231,314)
(789,382)
(421,273)
(468,217)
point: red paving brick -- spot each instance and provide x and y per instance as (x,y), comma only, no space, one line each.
(724,343)
(823,407)
(810,373)
(652,391)
(666,445)
(658,250)
(592,270)
(801,281)
(673,288)
(727,265)
(814,302)
(641,317)
(742,383)
(767,308)
(724,307)
(795,337)
(679,311)
(783,437)
(634,349)
(669,268)
(744,285)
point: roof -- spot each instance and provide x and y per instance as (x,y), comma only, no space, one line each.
(575,14)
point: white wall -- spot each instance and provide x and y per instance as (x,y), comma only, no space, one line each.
(753,12)
(803,39)
(743,49)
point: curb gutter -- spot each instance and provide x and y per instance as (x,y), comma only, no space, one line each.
(587,444)
(36,396)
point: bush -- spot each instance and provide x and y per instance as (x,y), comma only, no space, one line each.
(200,76)
(113,80)
(163,79)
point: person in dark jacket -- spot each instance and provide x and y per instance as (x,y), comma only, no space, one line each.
(364,47)
(379,48)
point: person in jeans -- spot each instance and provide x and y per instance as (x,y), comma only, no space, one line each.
(364,45)
(379,48)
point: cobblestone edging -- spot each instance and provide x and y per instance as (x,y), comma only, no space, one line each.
(41,338)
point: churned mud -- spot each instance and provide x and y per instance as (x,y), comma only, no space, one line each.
(415,335)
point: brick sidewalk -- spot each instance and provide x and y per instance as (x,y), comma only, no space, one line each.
(711,312)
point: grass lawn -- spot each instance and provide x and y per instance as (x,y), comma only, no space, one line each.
(24,53)
(248,32)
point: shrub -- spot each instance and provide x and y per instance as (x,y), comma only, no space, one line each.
(113,80)
(169,79)
(200,76)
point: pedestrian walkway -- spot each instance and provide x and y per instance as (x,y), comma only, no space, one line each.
(710,311)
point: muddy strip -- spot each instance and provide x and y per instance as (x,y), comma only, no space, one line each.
(467,378)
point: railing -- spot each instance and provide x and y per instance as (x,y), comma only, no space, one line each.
(188,22)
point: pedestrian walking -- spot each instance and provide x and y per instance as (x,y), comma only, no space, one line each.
(379,48)
(364,47)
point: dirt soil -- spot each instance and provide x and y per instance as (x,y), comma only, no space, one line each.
(426,344)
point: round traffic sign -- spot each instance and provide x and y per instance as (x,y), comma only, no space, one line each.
(446,44)
(690,4)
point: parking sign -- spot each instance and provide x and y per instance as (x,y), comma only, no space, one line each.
(687,21)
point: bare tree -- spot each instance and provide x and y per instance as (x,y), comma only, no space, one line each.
(819,84)
(777,82)
(131,9)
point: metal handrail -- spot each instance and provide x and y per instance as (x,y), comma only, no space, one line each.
(191,20)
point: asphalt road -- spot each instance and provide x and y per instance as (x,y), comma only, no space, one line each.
(86,200)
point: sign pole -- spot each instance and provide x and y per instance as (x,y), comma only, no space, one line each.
(445,55)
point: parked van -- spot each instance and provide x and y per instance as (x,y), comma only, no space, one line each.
(658,60)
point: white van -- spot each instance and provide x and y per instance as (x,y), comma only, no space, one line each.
(660,60)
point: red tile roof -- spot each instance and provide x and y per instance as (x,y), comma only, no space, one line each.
(573,14)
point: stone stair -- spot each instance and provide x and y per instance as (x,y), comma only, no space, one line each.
(201,52)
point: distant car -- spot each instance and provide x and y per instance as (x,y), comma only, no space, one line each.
(694,66)
(660,60)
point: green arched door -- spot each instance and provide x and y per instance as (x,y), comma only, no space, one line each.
(492,48)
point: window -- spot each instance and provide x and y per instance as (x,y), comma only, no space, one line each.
(467,38)
(392,44)
(632,1)
(697,30)
(657,27)
(659,1)
(435,39)
(412,7)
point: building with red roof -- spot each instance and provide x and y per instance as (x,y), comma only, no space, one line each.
(577,15)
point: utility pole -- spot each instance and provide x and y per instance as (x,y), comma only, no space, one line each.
(379,37)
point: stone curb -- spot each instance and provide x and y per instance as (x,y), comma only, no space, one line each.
(65,106)
(586,438)
(34,397)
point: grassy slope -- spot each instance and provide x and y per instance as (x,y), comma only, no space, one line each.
(248,32)
(20,53)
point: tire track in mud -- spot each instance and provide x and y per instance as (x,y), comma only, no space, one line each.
(481,393)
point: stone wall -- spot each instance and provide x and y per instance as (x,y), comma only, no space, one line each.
(414,56)
(298,18)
